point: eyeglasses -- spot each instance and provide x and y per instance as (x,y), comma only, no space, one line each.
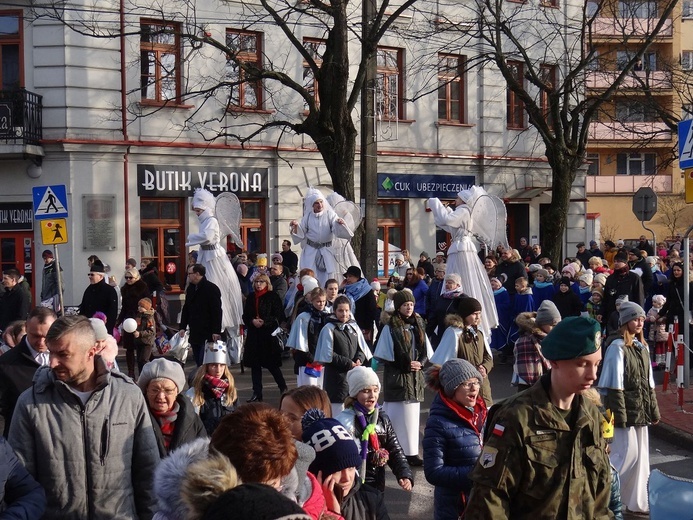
(260,281)
(471,385)
(91,274)
(129,277)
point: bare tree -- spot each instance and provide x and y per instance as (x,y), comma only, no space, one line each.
(673,213)
(609,231)
(547,56)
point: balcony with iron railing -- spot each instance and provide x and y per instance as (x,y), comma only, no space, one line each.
(21,125)
(626,184)
(654,79)
(630,27)
(625,131)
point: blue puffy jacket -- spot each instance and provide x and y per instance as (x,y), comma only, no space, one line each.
(451,447)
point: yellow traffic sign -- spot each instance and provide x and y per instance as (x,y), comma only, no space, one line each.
(54,231)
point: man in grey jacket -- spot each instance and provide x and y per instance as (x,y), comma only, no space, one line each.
(84,433)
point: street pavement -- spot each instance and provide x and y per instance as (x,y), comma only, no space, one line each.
(671,444)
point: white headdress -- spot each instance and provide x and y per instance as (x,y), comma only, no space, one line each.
(204,200)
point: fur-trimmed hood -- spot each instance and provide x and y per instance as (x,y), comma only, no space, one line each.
(526,321)
(454,320)
(169,477)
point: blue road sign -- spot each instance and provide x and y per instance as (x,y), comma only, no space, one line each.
(50,202)
(685,144)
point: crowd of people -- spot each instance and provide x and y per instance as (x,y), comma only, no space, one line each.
(149,442)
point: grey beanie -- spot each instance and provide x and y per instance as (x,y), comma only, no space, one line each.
(162,369)
(455,372)
(547,314)
(629,311)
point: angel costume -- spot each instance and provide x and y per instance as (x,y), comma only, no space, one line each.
(463,258)
(213,257)
(341,247)
(315,232)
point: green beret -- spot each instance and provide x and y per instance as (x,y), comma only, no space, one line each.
(572,338)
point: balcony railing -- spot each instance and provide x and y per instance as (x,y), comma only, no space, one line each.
(616,131)
(630,27)
(600,185)
(655,79)
(20,117)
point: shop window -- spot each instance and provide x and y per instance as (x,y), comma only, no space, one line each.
(162,238)
(246,93)
(10,50)
(391,234)
(252,229)
(160,62)
(451,88)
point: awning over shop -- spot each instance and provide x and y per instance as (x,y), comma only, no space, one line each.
(523,194)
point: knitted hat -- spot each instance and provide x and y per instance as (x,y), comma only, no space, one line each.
(145,303)
(361,377)
(621,256)
(454,277)
(399,256)
(425,254)
(403,296)
(309,283)
(261,261)
(162,368)
(441,267)
(533,268)
(330,457)
(570,268)
(587,278)
(254,502)
(542,272)
(599,278)
(455,372)
(593,243)
(467,306)
(598,290)
(440,253)
(651,260)
(215,352)
(635,251)
(375,285)
(97,267)
(99,328)
(565,281)
(621,300)
(547,314)
(279,258)
(242,269)
(620,243)
(573,337)
(629,311)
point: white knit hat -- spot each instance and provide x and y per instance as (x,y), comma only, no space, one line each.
(215,352)
(361,377)
(309,283)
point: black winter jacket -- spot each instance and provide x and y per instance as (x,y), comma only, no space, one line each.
(364,502)
(202,311)
(188,427)
(261,348)
(100,297)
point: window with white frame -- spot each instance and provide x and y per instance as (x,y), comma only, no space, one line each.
(246,93)
(687,10)
(316,50)
(637,9)
(687,60)
(592,163)
(636,164)
(451,88)
(160,53)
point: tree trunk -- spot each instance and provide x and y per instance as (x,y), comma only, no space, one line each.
(554,221)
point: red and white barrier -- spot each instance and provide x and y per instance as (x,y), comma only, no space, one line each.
(669,356)
(680,357)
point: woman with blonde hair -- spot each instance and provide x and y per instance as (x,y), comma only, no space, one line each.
(262,314)
(213,390)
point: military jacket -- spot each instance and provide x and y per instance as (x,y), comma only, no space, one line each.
(535,466)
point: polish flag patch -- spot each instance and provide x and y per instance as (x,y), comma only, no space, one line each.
(498,430)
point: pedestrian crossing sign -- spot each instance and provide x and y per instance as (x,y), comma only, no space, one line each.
(50,202)
(54,231)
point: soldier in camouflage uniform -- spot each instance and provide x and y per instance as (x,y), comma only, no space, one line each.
(544,456)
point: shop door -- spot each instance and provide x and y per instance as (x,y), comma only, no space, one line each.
(17,252)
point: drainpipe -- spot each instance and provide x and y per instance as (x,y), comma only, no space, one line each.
(124,120)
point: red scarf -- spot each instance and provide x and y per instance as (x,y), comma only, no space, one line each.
(474,419)
(257,301)
(167,423)
(216,385)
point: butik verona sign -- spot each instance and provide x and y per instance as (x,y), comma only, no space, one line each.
(161,180)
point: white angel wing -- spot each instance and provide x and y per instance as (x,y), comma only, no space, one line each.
(489,218)
(350,212)
(228,213)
